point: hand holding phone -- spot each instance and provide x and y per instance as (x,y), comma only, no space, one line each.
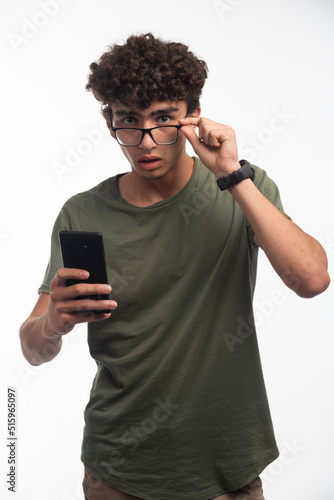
(85,250)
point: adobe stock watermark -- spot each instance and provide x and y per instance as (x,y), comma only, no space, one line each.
(76,154)
(93,138)
(225,7)
(119,281)
(248,149)
(262,310)
(328,245)
(135,435)
(28,372)
(280,120)
(31,27)
(294,279)
(198,200)
(288,455)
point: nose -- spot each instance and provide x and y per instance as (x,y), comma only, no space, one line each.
(147,142)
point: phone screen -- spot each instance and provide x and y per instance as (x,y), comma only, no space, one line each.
(85,250)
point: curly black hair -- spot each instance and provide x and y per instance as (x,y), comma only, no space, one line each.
(147,69)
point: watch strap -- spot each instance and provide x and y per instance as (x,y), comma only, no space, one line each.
(246,171)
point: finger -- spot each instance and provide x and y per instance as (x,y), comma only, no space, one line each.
(66,273)
(64,295)
(71,319)
(93,317)
(191,120)
(214,138)
(192,137)
(85,306)
(86,289)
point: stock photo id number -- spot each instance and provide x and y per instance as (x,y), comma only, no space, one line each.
(11,439)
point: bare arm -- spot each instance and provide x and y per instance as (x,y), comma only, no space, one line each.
(38,347)
(298,258)
(56,315)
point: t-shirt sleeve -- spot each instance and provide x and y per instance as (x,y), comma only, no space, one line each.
(270,190)
(55,260)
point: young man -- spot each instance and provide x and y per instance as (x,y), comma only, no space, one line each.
(178,408)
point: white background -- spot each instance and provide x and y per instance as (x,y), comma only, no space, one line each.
(265,58)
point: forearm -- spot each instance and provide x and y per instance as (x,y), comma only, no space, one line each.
(298,258)
(39,345)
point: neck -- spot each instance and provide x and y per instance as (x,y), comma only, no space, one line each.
(143,192)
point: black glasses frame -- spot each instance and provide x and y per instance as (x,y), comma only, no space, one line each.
(143,132)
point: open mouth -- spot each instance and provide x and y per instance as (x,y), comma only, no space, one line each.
(149,163)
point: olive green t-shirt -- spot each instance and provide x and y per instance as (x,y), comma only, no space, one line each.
(178,407)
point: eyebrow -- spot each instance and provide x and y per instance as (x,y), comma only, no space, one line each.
(166,111)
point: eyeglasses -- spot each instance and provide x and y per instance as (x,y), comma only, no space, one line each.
(164,135)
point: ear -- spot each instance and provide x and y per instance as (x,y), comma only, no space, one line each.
(196,113)
(108,122)
(113,135)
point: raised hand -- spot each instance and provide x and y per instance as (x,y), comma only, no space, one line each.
(215,144)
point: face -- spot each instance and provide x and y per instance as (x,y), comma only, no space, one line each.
(149,160)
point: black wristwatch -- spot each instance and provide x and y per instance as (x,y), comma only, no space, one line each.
(246,171)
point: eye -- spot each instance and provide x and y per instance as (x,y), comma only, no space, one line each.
(129,120)
(164,119)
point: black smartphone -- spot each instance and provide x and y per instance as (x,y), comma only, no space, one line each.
(85,250)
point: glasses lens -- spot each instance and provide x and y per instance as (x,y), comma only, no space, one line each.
(128,136)
(165,135)
(162,135)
